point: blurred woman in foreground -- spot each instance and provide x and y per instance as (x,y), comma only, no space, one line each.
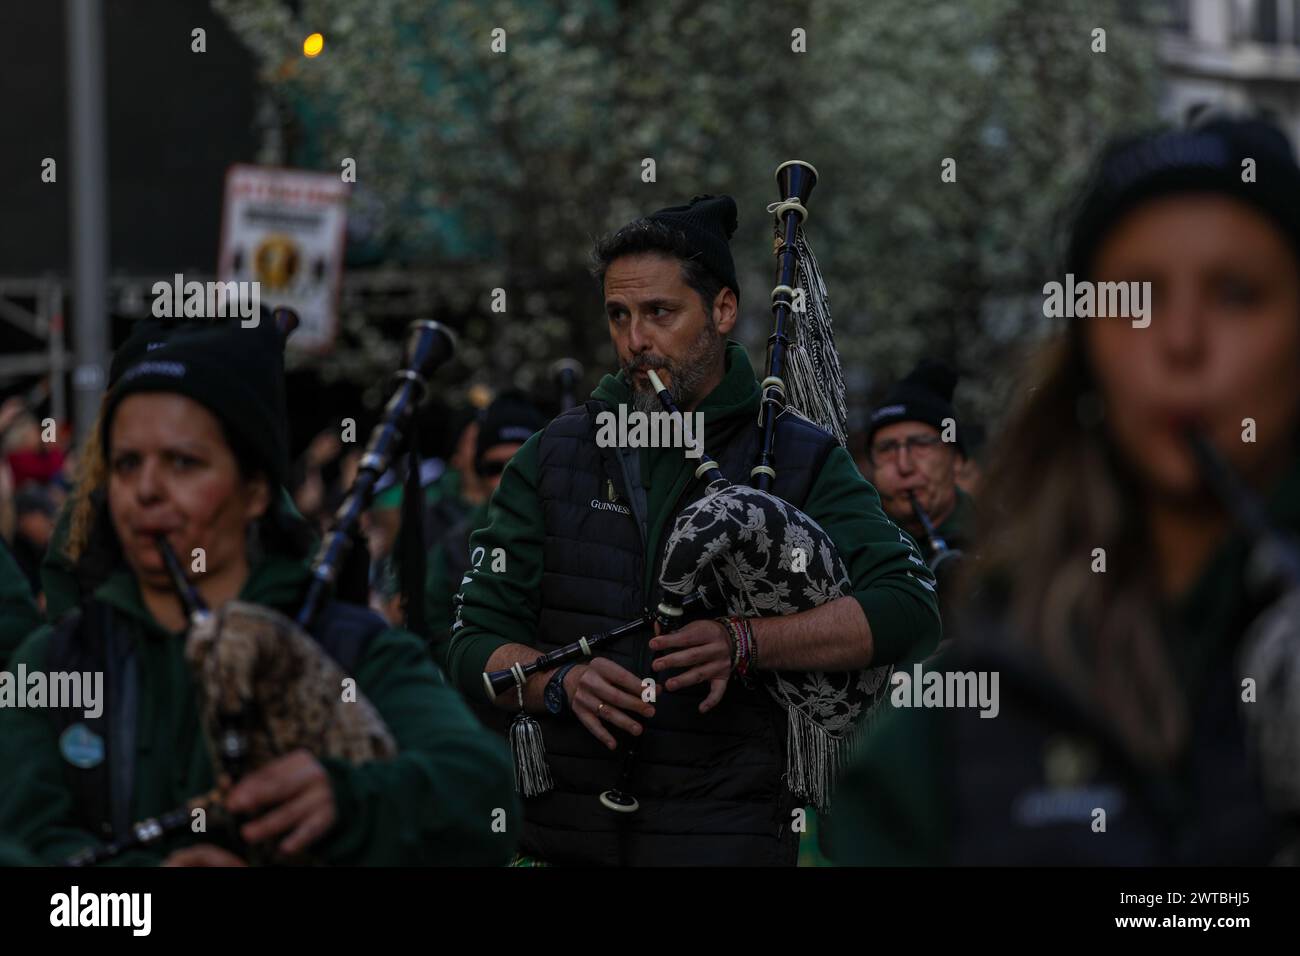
(1113,598)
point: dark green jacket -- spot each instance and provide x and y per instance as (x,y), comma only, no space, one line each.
(18,613)
(504,608)
(445,487)
(58,573)
(958,527)
(442,582)
(432,804)
(895,804)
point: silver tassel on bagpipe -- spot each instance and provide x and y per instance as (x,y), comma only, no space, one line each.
(527,746)
(814,380)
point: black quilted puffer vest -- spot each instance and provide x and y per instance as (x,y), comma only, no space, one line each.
(710,786)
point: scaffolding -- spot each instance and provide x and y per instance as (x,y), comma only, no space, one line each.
(37,307)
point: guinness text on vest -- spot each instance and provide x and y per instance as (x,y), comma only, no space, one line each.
(946,689)
(62,690)
(637,429)
(103,909)
(1103,300)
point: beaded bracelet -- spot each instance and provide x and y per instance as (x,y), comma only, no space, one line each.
(733,637)
(744,652)
(747,656)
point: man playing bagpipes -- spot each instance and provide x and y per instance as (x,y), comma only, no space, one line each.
(915,447)
(910,456)
(583,530)
(200,709)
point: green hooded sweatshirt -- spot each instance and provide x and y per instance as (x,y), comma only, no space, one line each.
(440,588)
(432,804)
(504,608)
(58,571)
(893,807)
(18,613)
(958,527)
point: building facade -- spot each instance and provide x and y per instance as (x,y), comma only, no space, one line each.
(1238,55)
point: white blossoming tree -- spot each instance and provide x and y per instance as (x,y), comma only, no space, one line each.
(494,140)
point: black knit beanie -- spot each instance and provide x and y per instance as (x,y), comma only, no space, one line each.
(1208,158)
(511,418)
(925,395)
(236,373)
(708,222)
(147,335)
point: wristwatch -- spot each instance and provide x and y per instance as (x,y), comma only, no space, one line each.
(557,701)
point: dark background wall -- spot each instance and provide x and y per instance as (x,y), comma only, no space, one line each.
(175,119)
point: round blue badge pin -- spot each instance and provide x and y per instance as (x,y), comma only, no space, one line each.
(81,746)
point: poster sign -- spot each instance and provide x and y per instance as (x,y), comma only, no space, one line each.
(284,229)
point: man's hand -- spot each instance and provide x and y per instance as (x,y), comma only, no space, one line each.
(705,648)
(298,790)
(602,691)
(203,854)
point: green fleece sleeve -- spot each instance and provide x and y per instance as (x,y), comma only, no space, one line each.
(447,798)
(36,805)
(502,607)
(891,805)
(58,576)
(18,613)
(890,580)
(439,608)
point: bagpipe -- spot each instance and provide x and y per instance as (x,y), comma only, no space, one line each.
(944,561)
(743,551)
(566,373)
(267,688)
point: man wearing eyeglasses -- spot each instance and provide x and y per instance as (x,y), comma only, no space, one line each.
(914,447)
(502,428)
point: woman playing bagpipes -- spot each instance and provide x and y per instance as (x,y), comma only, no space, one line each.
(1138,590)
(193,438)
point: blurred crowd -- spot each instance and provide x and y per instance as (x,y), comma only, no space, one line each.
(1126,567)
(36,476)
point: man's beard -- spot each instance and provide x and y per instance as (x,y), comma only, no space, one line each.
(687,378)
